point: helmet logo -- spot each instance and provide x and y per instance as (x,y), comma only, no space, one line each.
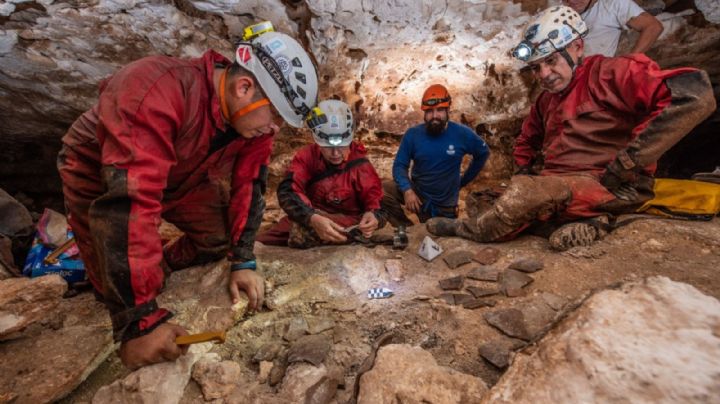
(283,64)
(334,122)
(531,32)
(243,54)
(567,33)
(275,46)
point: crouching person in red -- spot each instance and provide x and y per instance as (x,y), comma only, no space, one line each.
(595,135)
(329,186)
(185,140)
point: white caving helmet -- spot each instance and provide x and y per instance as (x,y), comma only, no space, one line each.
(282,68)
(331,123)
(551,31)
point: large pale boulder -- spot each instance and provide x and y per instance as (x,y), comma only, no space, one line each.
(655,341)
(404,373)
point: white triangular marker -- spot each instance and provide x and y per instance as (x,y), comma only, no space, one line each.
(429,249)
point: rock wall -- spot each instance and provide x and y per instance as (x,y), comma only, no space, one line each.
(376,54)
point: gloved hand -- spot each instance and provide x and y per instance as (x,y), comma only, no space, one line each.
(620,181)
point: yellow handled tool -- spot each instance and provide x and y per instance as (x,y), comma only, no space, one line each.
(217,336)
(52,258)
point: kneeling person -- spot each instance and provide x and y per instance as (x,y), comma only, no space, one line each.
(329,186)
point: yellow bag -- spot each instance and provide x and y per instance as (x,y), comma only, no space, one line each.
(684,198)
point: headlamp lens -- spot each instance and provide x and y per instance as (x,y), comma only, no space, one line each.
(335,140)
(523,51)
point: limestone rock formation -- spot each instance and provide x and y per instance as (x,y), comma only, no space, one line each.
(24,301)
(162,383)
(216,378)
(403,373)
(61,342)
(654,341)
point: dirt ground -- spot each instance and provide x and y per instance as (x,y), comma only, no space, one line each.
(330,283)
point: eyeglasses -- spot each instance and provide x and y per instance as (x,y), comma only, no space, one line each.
(435,101)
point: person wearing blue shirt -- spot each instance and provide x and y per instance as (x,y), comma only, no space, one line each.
(436,150)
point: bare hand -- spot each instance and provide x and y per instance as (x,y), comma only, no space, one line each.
(155,347)
(368,224)
(327,230)
(412,202)
(249,282)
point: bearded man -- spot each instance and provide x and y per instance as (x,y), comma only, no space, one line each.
(436,150)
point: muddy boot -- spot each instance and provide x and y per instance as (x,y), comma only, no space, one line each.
(442,226)
(574,235)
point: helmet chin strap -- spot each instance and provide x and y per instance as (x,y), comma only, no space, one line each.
(242,111)
(564,53)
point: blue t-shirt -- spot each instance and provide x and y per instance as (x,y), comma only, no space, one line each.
(436,162)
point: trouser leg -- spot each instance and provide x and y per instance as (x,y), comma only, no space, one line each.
(392,203)
(527,198)
(201,215)
(277,234)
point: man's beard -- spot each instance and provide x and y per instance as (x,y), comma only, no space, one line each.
(435,126)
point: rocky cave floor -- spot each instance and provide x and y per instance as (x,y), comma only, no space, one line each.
(318,312)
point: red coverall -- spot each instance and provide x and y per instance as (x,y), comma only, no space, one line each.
(154,146)
(343,192)
(624,109)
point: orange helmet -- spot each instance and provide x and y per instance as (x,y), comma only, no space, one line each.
(436,96)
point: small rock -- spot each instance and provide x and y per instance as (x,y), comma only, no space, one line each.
(510,292)
(264,373)
(395,269)
(484,273)
(554,301)
(462,298)
(159,383)
(512,281)
(217,379)
(277,373)
(509,321)
(487,255)
(408,374)
(421,298)
(482,292)
(527,265)
(498,351)
(457,258)
(317,325)
(296,329)
(308,384)
(454,283)
(310,348)
(526,321)
(449,298)
(267,352)
(478,303)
